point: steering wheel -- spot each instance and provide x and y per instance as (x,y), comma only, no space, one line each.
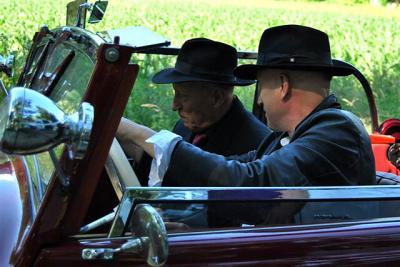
(119,170)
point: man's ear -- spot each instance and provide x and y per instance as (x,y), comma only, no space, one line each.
(286,87)
(217,98)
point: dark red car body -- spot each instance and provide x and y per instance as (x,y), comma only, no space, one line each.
(48,233)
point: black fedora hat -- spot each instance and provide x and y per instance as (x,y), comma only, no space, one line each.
(293,47)
(202,59)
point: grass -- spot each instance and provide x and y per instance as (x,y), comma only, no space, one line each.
(364,36)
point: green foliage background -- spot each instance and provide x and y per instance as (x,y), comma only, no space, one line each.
(364,36)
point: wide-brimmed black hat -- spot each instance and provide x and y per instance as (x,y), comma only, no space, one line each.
(202,59)
(293,47)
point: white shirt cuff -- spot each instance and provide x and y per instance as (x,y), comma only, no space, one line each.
(164,143)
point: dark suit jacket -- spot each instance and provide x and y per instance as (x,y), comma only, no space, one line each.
(236,133)
(329,147)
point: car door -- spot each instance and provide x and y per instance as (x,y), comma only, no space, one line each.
(250,227)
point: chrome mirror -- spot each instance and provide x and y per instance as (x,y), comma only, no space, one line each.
(146,223)
(98,10)
(150,239)
(32,123)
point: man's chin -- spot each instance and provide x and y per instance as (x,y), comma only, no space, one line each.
(192,128)
(271,126)
(274,128)
(189,126)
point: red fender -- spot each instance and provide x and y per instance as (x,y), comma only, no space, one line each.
(386,146)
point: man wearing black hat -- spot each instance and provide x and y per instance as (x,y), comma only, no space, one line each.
(211,117)
(314,142)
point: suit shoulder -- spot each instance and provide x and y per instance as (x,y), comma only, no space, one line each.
(337,121)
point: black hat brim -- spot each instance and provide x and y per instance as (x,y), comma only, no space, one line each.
(249,71)
(172,76)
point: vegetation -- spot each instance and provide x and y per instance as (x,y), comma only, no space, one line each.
(364,36)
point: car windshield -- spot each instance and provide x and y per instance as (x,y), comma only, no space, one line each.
(65,88)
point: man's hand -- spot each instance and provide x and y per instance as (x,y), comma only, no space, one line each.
(130,132)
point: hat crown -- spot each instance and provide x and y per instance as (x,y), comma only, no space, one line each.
(294,44)
(203,60)
(294,47)
(204,56)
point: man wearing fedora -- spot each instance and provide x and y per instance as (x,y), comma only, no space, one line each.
(211,117)
(314,142)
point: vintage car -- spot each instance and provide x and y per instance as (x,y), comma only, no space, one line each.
(69,196)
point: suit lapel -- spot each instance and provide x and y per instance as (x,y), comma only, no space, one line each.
(180,129)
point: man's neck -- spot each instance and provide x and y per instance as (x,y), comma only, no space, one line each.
(222,110)
(299,112)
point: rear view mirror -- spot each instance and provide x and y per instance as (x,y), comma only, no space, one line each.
(98,10)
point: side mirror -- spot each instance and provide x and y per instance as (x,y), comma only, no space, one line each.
(32,123)
(147,224)
(150,239)
(98,10)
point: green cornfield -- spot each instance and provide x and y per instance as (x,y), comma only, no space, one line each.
(365,36)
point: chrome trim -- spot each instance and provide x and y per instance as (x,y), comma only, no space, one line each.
(39,177)
(96,39)
(3,88)
(83,123)
(321,193)
(395,221)
(121,216)
(150,239)
(79,39)
(30,189)
(296,227)
(89,254)
(99,222)
(136,195)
